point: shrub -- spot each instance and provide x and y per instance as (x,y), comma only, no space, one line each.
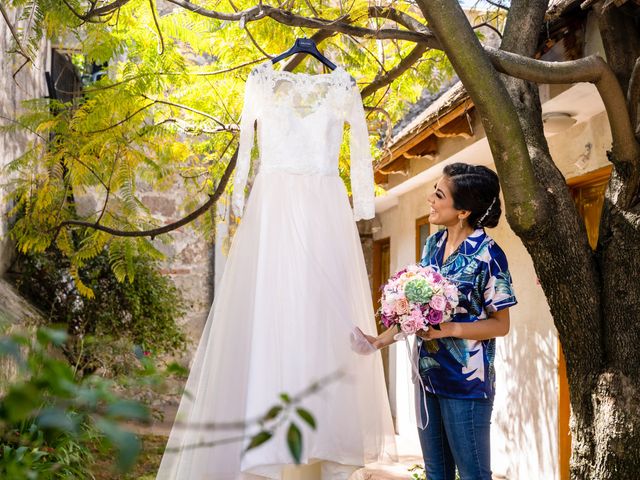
(49,417)
(103,329)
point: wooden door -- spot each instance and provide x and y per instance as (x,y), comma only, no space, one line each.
(422,232)
(381,273)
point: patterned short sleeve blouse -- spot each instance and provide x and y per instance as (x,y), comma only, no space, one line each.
(454,367)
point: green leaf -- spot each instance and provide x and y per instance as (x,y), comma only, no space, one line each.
(176,369)
(8,347)
(285,398)
(20,403)
(56,419)
(307,417)
(126,443)
(273,413)
(48,335)
(294,442)
(259,439)
(128,409)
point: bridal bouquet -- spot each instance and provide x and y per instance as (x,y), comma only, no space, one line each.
(417,297)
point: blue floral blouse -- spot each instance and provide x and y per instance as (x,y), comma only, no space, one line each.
(453,367)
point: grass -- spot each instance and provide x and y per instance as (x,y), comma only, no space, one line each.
(146,467)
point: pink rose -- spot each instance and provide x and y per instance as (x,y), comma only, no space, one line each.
(387,309)
(438,302)
(411,325)
(450,291)
(402,306)
(434,317)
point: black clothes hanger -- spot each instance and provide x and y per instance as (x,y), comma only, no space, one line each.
(305,45)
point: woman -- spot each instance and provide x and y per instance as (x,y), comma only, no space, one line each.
(456,360)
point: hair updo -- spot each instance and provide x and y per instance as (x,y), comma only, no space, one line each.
(476,189)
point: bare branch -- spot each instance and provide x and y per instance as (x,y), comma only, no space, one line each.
(285,17)
(73,10)
(488,25)
(495,4)
(193,130)
(154,232)
(400,18)
(273,423)
(16,38)
(124,120)
(591,69)
(154,74)
(155,20)
(184,107)
(404,64)
(105,10)
(108,187)
(92,171)
(26,127)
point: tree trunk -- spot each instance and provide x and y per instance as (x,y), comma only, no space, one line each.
(594,299)
(616,399)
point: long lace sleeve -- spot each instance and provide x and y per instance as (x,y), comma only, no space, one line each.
(362,185)
(247,120)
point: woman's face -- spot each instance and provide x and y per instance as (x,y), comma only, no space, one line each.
(442,211)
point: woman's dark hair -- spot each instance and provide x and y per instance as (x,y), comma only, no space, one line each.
(476,189)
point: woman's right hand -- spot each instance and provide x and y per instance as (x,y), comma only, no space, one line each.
(361,343)
(373,340)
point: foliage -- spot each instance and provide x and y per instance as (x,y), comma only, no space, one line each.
(418,473)
(55,424)
(48,416)
(166,114)
(119,314)
(280,414)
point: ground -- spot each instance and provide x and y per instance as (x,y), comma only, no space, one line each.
(146,467)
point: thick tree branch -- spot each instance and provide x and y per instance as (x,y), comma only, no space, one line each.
(105,10)
(286,17)
(561,252)
(591,69)
(154,232)
(401,18)
(318,37)
(525,205)
(397,71)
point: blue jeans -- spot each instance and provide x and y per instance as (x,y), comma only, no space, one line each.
(457,435)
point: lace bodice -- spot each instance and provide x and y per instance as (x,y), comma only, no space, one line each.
(300,120)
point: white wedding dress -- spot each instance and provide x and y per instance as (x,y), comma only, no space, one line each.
(293,288)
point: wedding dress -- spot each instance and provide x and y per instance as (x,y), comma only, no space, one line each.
(294,287)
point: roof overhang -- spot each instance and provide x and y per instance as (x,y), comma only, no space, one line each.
(582,101)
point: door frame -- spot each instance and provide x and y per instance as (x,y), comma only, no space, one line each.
(590,179)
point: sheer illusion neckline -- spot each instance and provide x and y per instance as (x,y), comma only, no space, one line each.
(304,75)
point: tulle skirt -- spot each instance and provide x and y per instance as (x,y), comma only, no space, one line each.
(294,286)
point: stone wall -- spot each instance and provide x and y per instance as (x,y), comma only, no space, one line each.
(28,83)
(190,257)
